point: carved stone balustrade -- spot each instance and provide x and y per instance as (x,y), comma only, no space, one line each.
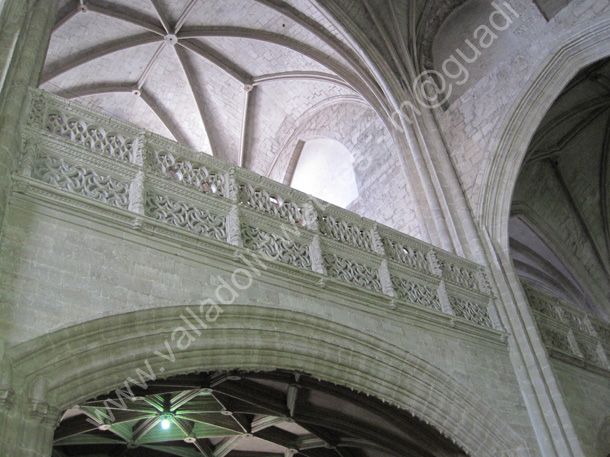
(83,157)
(570,333)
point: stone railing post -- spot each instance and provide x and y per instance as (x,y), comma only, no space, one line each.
(377,241)
(137,188)
(603,355)
(386,280)
(141,153)
(231,187)
(433,264)
(311,222)
(384,271)
(496,322)
(483,282)
(317,257)
(231,191)
(443,298)
(234,227)
(310,217)
(574,347)
(137,194)
(30,151)
(485,287)
(435,270)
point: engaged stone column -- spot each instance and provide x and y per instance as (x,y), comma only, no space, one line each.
(7,401)
(28,421)
(233,221)
(137,188)
(25,30)
(38,425)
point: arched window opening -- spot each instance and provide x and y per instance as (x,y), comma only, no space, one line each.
(324,170)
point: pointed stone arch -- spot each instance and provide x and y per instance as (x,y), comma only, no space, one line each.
(579,49)
(93,358)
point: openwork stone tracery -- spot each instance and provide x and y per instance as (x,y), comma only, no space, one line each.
(570,333)
(203,197)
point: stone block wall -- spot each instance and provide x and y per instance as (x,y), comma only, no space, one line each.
(61,269)
(585,391)
(384,194)
(472,123)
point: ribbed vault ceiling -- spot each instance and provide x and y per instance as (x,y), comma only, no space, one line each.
(226,77)
(274,414)
(221,76)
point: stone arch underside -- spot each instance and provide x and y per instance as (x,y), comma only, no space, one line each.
(95,357)
(579,49)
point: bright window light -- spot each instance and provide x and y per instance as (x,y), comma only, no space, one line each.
(325,171)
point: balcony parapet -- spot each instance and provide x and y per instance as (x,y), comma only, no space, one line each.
(569,333)
(74,150)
